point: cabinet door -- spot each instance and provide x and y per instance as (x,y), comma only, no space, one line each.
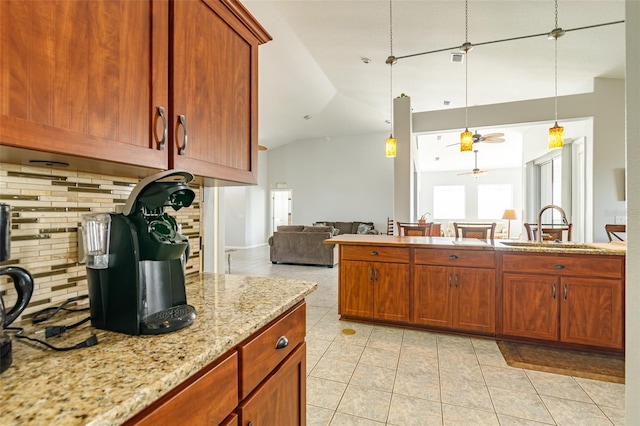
(530,305)
(391,291)
(474,299)
(85,78)
(281,399)
(592,312)
(356,289)
(214,89)
(431,289)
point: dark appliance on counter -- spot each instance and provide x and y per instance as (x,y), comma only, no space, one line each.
(22,281)
(136,260)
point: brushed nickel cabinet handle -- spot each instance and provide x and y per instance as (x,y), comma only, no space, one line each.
(565,292)
(283,342)
(450,274)
(370,274)
(456,280)
(163,139)
(183,149)
(553,287)
(375,274)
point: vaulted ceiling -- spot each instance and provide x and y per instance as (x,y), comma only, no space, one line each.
(314,66)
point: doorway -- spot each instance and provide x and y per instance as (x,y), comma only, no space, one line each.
(281,214)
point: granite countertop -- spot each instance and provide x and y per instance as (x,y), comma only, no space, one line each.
(110,382)
(476,244)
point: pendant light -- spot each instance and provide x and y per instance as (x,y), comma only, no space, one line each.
(466,137)
(390,146)
(556,133)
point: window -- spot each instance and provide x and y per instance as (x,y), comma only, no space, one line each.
(493,200)
(448,202)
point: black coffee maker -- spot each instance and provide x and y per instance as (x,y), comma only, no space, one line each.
(22,281)
(136,259)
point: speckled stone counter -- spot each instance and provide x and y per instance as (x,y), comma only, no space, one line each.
(476,244)
(110,382)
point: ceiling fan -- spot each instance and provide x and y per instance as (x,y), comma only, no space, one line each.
(488,138)
(476,171)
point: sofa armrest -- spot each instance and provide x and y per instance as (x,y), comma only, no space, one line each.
(303,248)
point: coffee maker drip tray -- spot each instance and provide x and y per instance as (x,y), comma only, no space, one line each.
(168,320)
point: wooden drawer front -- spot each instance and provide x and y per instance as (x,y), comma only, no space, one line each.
(587,265)
(259,356)
(208,399)
(376,253)
(453,257)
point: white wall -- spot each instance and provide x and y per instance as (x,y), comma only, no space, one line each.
(632,304)
(341,179)
(513,176)
(246,211)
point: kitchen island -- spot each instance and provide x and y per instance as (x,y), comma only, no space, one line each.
(557,294)
(111,382)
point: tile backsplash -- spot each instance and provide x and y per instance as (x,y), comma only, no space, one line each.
(47,205)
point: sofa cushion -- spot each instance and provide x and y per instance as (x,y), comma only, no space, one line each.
(318,229)
(290,228)
(355,225)
(345,227)
(363,228)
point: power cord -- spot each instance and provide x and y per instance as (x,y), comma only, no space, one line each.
(56,330)
(90,341)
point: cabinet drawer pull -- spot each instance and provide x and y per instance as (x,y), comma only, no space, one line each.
(162,140)
(453,257)
(565,292)
(283,342)
(456,280)
(559,266)
(553,287)
(374,253)
(183,149)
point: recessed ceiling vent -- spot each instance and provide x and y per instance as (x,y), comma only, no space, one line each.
(457,57)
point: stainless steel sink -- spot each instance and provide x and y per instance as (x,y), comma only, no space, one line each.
(547,244)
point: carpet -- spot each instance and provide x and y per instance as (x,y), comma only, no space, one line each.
(588,365)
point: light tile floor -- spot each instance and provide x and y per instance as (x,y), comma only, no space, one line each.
(394,376)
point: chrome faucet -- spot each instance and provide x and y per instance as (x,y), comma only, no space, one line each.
(539,224)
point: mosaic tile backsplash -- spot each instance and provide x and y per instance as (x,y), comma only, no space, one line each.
(46,211)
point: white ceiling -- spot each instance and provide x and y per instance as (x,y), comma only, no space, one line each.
(313,66)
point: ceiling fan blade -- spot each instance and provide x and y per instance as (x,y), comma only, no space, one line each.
(493,140)
(492,135)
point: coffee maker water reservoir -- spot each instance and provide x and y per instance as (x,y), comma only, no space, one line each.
(136,260)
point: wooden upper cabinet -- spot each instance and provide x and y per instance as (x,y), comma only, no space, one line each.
(214,64)
(84,78)
(112,80)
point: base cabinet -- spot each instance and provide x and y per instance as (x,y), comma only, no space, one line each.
(458,298)
(375,289)
(260,382)
(281,399)
(569,304)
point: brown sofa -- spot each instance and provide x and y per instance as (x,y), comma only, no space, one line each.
(350,227)
(304,245)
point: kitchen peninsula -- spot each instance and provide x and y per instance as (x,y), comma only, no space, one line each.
(557,294)
(246,345)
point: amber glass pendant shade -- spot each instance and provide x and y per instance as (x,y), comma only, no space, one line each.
(556,136)
(466,141)
(391,146)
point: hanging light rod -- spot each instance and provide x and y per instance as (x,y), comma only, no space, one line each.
(447,49)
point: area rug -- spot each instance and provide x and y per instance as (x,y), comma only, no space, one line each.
(588,365)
